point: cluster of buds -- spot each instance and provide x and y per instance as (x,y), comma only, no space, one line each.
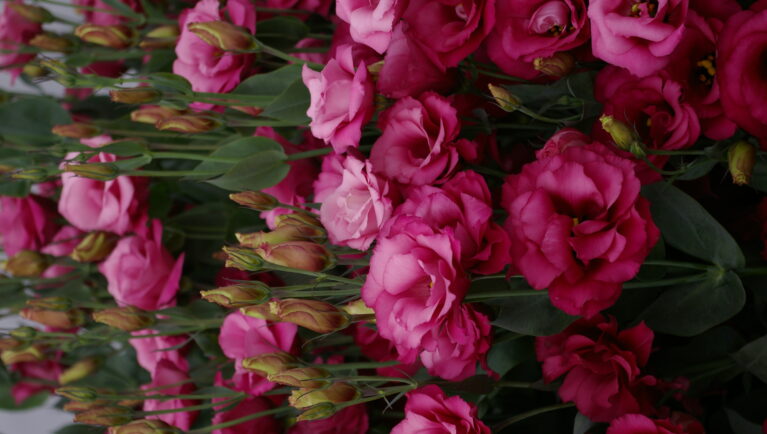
(315,315)
(51,42)
(53,312)
(126,318)
(27,263)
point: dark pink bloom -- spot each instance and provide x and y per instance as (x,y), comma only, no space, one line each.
(171,379)
(371,22)
(26,223)
(350,420)
(62,244)
(429,410)
(561,140)
(641,424)
(103,18)
(380,349)
(602,367)
(47,370)
(578,226)
(251,405)
(150,351)
(320,7)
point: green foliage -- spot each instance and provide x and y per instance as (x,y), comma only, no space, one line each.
(28,120)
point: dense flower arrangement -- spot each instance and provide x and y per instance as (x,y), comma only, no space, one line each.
(406,216)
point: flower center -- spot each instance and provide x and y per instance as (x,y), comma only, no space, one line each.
(644,8)
(706,70)
(460,11)
(552,18)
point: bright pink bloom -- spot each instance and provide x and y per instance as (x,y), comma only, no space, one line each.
(341,100)
(26,223)
(561,140)
(417,145)
(637,36)
(149,351)
(350,420)
(62,244)
(100,16)
(429,410)
(602,367)
(243,336)
(330,176)
(251,405)
(415,281)
(578,226)
(141,272)
(380,349)
(371,22)
(165,374)
(15,32)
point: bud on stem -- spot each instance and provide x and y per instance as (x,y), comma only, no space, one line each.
(223,35)
(741,158)
(127,318)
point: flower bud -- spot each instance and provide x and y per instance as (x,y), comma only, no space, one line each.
(160,37)
(243,259)
(243,294)
(319,411)
(50,303)
(95,247)
(138,95)
(560,64)
(315,315)
(154,114)
(144,426)
(741,158)
(248,110)
(165,31)
(302,255)
(76,130)
(279,235)
(24,333)
(335,393)
(34,174)
(505,100)
(357,308)
(34,71)
(54,318)
(126,318)
(255,200)
(267,311)
(79,370)
(80,393)
(27,263)
(49,42)
(624,136)
(36,14)
(32,353)
(223,35)
(97,171)
(104,416)
(188,124)
(117,37)
(9,344)
(269,363)
(77,406)
(306,377)
(307,226)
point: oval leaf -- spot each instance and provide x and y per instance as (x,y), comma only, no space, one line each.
(256,172)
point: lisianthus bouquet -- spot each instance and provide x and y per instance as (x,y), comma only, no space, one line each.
(406,216)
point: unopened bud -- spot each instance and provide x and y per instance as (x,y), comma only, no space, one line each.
(255,200)
(560,64)
(144,426)
(160,37)
(243,259)
(104,416)
(126,318)
(76,130)
(50,303)
(336,393)
(306,377)
(24,333)
(95,247)
(267,311)
(166,31)
(34,71)
(138,95)
(36,14)
(315,315)
(97,171)
(302,255)
(79,370)
(319,411)
(117,36)
(78,393)
(191,124)
(152,115)
(741,158)
(223,35)
(269,363)
(34,175)
(505,100)
(243,294)
(77,406)
(625,137)
(54,318)
(27,263)
(249,110)
(279,235)
(357,308)
(49,42)
(33,353)
(9,344)
(304,224)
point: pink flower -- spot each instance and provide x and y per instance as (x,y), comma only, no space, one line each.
(141,272)
(448,30)
(417,144)
(203,65)
(429,410)
(62,244)
(320,7)
(100,16)
(15,32)
(170,379)
(371,22)
(47,370)
(741,71)
(150,351)
(637,36)
(26,223)
(251,405)
(640,424)
(415,281)
(243,336)
(350,420)
(601,366)
(561,140)
(463,204)
(117,206)
(341,100)
(377,348)
(358,207)
(532,29)
(330,176)
(407,71)
(578,226)
(453,350)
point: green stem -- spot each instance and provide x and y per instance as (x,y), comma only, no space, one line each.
(666,282)
(274,411)
(529,414)
(665,152)
(158,134)
(309,293)
(315,274)
(309,154)
(187,156)
(753,271)
(677,264)
(190,408)
(171,173)
(359,365)
(287,57)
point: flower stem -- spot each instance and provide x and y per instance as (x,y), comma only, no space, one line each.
(529,414)
(315,274)
(274,411)
(310,154)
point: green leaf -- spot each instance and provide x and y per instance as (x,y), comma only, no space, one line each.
(168,82)
(125,148)
(15,187)
(505,355)
(270,84)
(29,120)
(741,425)
(582,424)
(753,357)
(133,163)
(124,10)
(241,148)
(259,171)
(759,175)
(687,226)
(690,309)
(698,168)
(290,105)
(534,316)
(281,32)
